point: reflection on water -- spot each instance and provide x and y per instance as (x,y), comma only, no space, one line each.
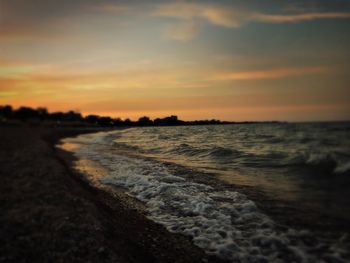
(91,169)
(69,146)
(93,172)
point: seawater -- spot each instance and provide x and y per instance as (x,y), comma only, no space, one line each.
(306,162)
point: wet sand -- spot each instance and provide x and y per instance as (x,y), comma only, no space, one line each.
(48,213)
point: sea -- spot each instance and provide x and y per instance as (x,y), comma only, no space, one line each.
(256,192)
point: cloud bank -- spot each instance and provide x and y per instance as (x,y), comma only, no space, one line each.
(232,17)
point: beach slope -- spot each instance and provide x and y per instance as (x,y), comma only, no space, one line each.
(49,214)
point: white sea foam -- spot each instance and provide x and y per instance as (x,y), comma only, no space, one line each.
(342,168)
(223,223)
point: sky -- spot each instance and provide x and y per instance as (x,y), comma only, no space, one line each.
(230,60)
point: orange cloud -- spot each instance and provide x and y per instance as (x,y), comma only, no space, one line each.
(299,17)
(215,14)
(271,73)
(158,90)
(140,80)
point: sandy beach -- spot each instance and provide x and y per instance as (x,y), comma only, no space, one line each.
(49,214)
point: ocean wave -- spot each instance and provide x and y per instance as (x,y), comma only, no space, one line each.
(327,161)
(320,159)
(218,151)
(209,151)
(223,223)
(267,160)
(317,162)
(186,149)
(342,168)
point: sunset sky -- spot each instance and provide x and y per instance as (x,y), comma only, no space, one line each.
(229,60)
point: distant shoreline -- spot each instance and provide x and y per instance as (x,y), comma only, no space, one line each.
(41,117)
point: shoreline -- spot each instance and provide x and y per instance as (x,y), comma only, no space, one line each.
(287,216)
(51,214)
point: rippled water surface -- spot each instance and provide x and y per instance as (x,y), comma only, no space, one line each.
(306,162)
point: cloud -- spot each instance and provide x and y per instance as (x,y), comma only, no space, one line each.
(4,94)
(271,73)
(215,14)
(45,19)
(299,17)
(188,13)
(231,16)
(139,78)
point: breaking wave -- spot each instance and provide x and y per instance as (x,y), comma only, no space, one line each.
(224,223)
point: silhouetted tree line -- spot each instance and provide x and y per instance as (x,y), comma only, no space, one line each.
(27,114)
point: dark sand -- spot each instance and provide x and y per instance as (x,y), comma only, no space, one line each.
(49,214)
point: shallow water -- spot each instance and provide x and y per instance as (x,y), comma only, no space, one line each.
(307,162)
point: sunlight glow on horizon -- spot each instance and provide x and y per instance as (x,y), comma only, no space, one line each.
(195,60)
